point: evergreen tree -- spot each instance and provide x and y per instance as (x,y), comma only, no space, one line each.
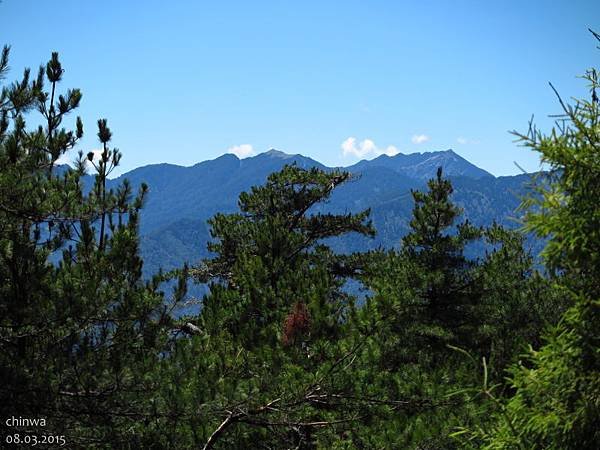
(557,390)
(276,316)
(430,300)
(272,256)
(80,331)
(445,291)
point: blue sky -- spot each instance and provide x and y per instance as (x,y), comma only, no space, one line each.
(186,81)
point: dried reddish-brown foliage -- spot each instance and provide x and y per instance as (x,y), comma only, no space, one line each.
(296,323)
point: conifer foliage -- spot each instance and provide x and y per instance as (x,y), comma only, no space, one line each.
(432,304)
(272,255)
(557,390)
(445,285)
(80,331)
(277,316)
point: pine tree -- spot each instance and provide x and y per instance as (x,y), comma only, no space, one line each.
(80,331)
(445,289)
(272,255)
(433,304)
(276,317)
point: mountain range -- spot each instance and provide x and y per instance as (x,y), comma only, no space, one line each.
(181,199)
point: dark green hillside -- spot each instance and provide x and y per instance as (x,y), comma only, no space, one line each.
(177,210)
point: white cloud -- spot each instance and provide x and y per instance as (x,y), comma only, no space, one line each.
(419,139)
(464,141)
(351,147)
(64,159)
(391,150)
(241,151)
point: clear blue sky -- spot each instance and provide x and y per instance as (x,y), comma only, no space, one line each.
(186,81)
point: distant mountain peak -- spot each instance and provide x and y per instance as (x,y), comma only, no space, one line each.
(224,157)
(274,153)
(227,156)
(424,165)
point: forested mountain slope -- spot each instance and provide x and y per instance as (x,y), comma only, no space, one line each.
(181,199)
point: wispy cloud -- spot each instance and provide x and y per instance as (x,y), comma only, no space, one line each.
(465,141)
(65,158)
(419,139)
(242,150)
(364,148)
